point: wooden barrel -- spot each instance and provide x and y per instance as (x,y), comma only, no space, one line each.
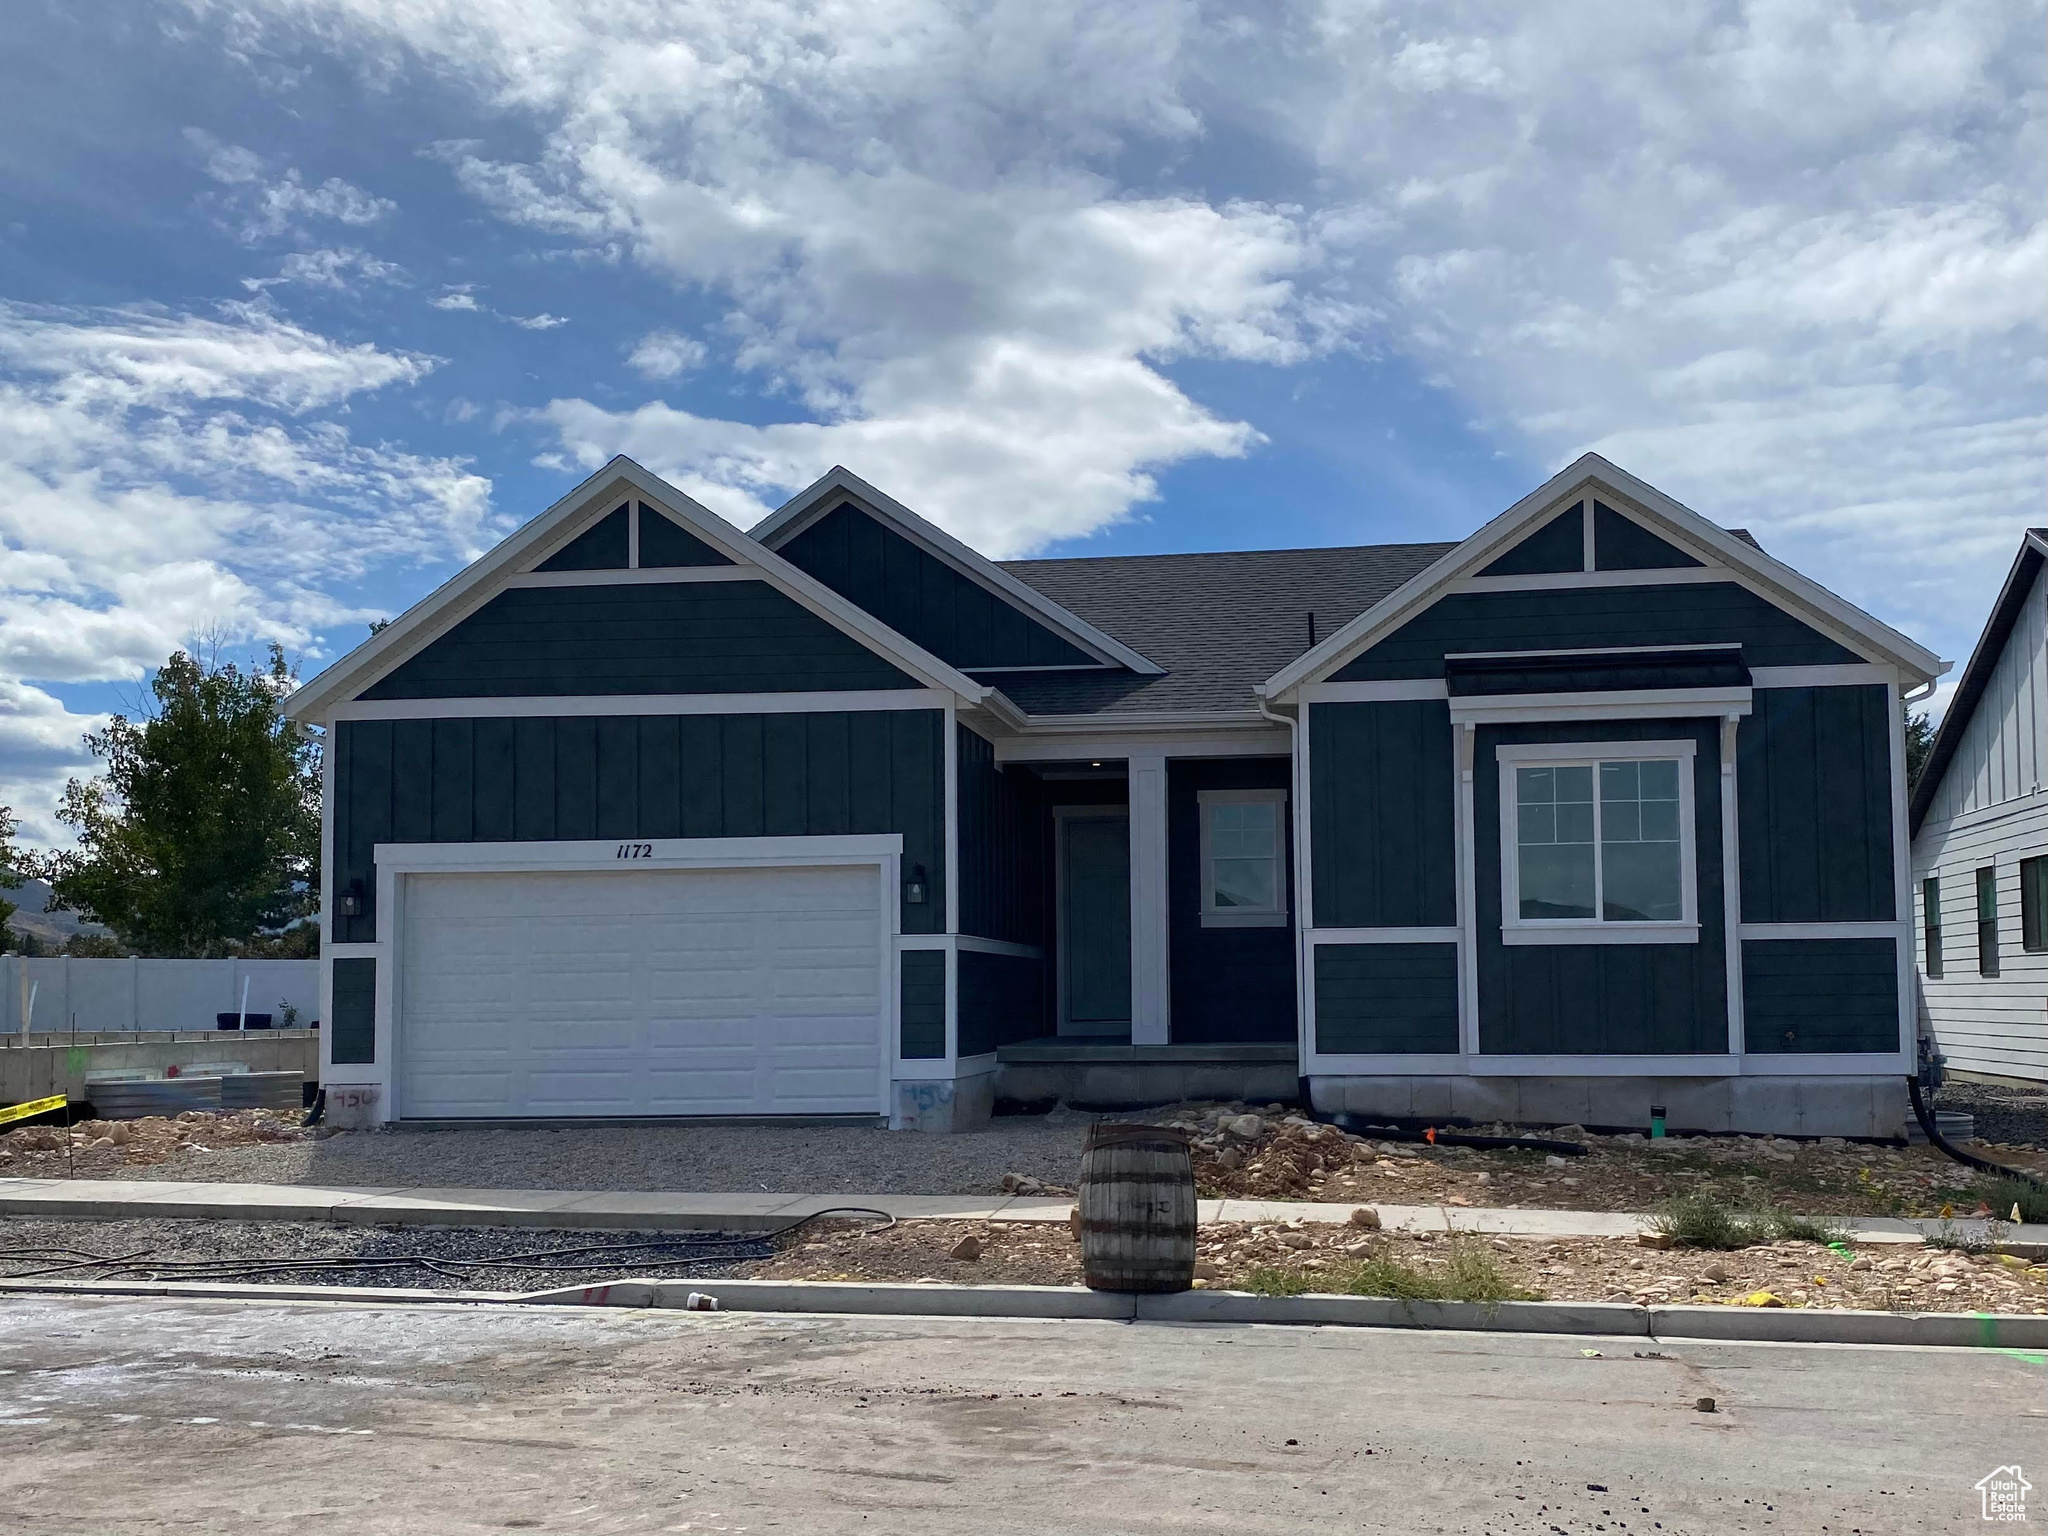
(1137,1208)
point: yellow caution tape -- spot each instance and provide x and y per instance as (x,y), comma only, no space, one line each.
(32,1108)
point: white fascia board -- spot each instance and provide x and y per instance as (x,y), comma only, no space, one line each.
(1771,579)
(473,586)
(838,483)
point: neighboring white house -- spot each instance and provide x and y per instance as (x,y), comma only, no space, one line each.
(1979,818)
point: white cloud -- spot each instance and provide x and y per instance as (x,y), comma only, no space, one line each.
(664,354)
(457,298)
(903,210)
(340,270)
(163,474)
(540,322)
(268,208)
(1785,259)
(1785,262)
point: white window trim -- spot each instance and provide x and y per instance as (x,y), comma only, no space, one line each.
(1243,917)
(1516,929)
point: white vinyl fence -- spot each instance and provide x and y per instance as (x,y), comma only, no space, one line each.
(129,995)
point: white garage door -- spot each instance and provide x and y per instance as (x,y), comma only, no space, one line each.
(671,992)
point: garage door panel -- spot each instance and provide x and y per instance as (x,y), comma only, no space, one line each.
(642,992)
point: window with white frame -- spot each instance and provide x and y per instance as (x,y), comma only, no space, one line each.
(1597,843)
(1244,857)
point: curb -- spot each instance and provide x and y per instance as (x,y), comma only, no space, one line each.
(1729,1325)
(1611,1319)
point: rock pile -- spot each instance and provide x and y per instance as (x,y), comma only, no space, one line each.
(1239,1153)
(152,1139)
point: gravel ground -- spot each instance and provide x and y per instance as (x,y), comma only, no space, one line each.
(1791,1274)
(724,1158)
(2016,1116)
(1794,1274)
(172,1243)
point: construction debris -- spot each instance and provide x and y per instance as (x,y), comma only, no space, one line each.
(1264,1152)
(103,1147)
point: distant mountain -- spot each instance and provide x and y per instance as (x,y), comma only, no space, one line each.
(53,928)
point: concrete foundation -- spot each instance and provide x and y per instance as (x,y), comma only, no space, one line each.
(1778,1106)
(1091,1076)
(943,1104)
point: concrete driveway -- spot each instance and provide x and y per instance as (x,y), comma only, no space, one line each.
(229,1417)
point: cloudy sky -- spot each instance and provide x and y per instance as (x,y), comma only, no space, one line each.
(305,303)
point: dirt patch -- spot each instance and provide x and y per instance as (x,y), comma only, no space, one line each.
(104,1149)
(1230,1257)
(1254,1154)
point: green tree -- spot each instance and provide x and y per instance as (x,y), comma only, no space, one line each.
(203,832)
(12,872)
(1919,742)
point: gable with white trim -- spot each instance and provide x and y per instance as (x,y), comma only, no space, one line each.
(628,588)
(1597,559)
(920,580)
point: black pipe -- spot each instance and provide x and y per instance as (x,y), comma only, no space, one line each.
(1356,1126)
(1968,1159)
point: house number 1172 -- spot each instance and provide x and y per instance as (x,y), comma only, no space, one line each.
(636,850)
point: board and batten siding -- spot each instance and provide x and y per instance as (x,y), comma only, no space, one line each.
(1228,985)
(1386,999)
(922,1020)
(1002,853)
(921,597)
(1703,613)
(2003,755)
(1991,810)
(1383,818)
(1002,1000)
(658,637)
(1604,999)
(548,778)
(1820,996)
(1815,796)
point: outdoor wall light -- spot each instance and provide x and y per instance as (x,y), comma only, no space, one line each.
(351,903)
(914,887)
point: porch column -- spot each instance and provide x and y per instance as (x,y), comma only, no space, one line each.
(1151,1005)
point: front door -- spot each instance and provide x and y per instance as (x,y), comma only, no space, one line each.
(1095,924)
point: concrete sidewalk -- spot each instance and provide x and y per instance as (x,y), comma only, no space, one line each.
(654,1210)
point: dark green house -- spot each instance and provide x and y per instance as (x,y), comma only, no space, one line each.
(643,816)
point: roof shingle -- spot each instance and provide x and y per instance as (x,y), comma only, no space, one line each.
(1218,623)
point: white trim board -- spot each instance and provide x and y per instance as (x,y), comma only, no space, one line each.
(1679,525)
(1605,704)
(839,484)
(523,706)
(1885,928)
(651,576)
(1579,581)
(1382,936)
(1033,745)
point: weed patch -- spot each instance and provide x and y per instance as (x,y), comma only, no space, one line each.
(1468,1273)
(2003,1194)
(1701,1221)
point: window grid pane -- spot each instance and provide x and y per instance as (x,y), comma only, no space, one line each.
(1554,854)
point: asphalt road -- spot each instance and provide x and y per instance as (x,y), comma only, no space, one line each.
(225,1417)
